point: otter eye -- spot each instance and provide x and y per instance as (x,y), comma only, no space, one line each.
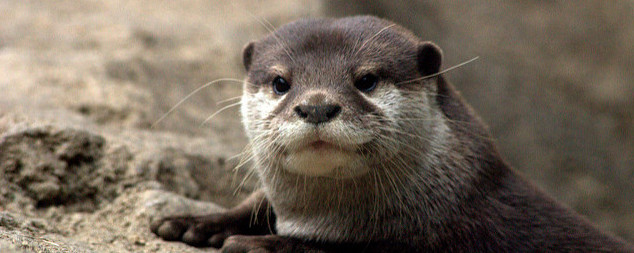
(366,83)
(280,85)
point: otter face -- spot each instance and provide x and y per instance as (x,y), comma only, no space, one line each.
(322,97)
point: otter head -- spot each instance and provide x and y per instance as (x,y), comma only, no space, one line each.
(337,97)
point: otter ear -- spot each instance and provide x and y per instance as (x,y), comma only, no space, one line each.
(247,55)
(429,58)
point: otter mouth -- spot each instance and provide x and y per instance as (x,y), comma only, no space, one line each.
(320,145)
(317,155)
(328,151)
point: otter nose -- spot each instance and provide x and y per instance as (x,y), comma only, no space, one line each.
(316,114)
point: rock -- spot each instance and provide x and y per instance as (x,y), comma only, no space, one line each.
(53,167)
(7,220)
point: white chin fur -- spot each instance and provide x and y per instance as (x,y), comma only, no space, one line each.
(324,162)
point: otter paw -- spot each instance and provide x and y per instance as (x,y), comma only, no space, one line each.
(255,244)
(208,230)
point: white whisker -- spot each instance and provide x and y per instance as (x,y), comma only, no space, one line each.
(191,94)
(219,111)
(228,100)
(440,72)
(373,36)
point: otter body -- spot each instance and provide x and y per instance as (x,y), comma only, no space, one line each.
(361,146)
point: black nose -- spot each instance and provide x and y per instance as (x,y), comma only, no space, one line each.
(317,113)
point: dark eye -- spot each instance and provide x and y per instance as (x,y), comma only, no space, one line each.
(366,83)
(280,85)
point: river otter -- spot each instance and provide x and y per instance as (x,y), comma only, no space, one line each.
(361,146)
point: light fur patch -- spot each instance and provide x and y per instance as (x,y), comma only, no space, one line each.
(255,108)
(341,160)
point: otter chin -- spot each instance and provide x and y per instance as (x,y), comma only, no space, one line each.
(326,159)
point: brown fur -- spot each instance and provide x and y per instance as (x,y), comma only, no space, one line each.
(431,179)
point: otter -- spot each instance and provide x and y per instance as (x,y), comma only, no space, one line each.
(361,145)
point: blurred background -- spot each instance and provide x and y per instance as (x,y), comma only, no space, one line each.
(554,80)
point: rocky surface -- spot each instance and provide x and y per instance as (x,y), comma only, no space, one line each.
(89,153)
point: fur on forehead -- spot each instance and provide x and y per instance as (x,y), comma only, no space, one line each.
(345,43)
